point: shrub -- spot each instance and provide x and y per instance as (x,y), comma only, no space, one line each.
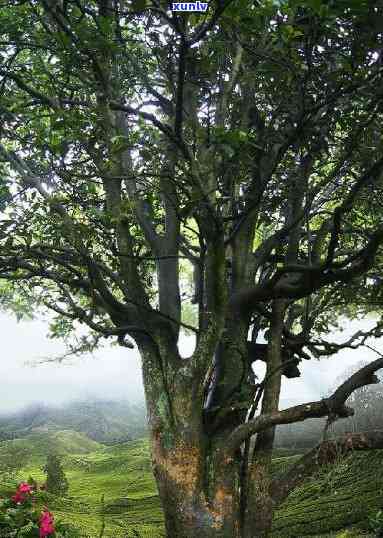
(376,523)
(56,480)
(20,517)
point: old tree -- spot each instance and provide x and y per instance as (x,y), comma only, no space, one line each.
(243,147)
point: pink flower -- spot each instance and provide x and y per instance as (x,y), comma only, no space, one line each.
(22,491)
(46,524)
(25,488)
(18,498)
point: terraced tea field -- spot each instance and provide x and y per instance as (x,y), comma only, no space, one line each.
(341,496)
(326,506)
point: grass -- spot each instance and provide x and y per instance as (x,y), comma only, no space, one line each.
(335,503)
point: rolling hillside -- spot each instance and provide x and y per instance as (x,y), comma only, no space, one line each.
(326,506)
(107,422)
(122,473)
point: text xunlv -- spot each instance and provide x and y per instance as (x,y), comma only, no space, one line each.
(189,6)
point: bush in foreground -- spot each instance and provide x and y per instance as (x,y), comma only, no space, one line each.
(20,516)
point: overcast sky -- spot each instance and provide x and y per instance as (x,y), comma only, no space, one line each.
(115,373)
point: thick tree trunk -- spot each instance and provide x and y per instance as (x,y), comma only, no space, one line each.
(189,512)
(198,485)
(197,488)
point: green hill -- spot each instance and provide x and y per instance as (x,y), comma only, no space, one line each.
(122,473)
(39,444)
(340,496)
(103,421)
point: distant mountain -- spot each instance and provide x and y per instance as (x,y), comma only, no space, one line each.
(107,422)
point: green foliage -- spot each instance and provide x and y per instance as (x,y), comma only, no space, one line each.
(296,55)
(297,58)
(13,459)
(20,516)
(18,521)
(376,523)
(15,300)
(56,481)
(5,195)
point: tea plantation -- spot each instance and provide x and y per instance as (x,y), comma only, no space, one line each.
(337,502)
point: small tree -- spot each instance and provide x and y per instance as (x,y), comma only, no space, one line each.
(57,482)
(13,458)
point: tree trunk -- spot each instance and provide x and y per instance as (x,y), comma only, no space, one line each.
(189,511)
(199,487)
(259,514)
(260,507)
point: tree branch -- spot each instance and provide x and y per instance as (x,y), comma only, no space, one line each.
(203,28)
(183,49)
(326,452)
(367,178)
(333,405)
(296,282)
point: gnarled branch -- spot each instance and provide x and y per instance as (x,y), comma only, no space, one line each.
(333,405)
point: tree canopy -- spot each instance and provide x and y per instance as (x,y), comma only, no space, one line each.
(124,117)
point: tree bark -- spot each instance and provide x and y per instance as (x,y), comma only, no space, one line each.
(188,510)
(259,514)
(196,484)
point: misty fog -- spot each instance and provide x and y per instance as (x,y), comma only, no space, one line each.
(115,372)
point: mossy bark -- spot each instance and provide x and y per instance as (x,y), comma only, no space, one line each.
(188,510)
(198,485)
